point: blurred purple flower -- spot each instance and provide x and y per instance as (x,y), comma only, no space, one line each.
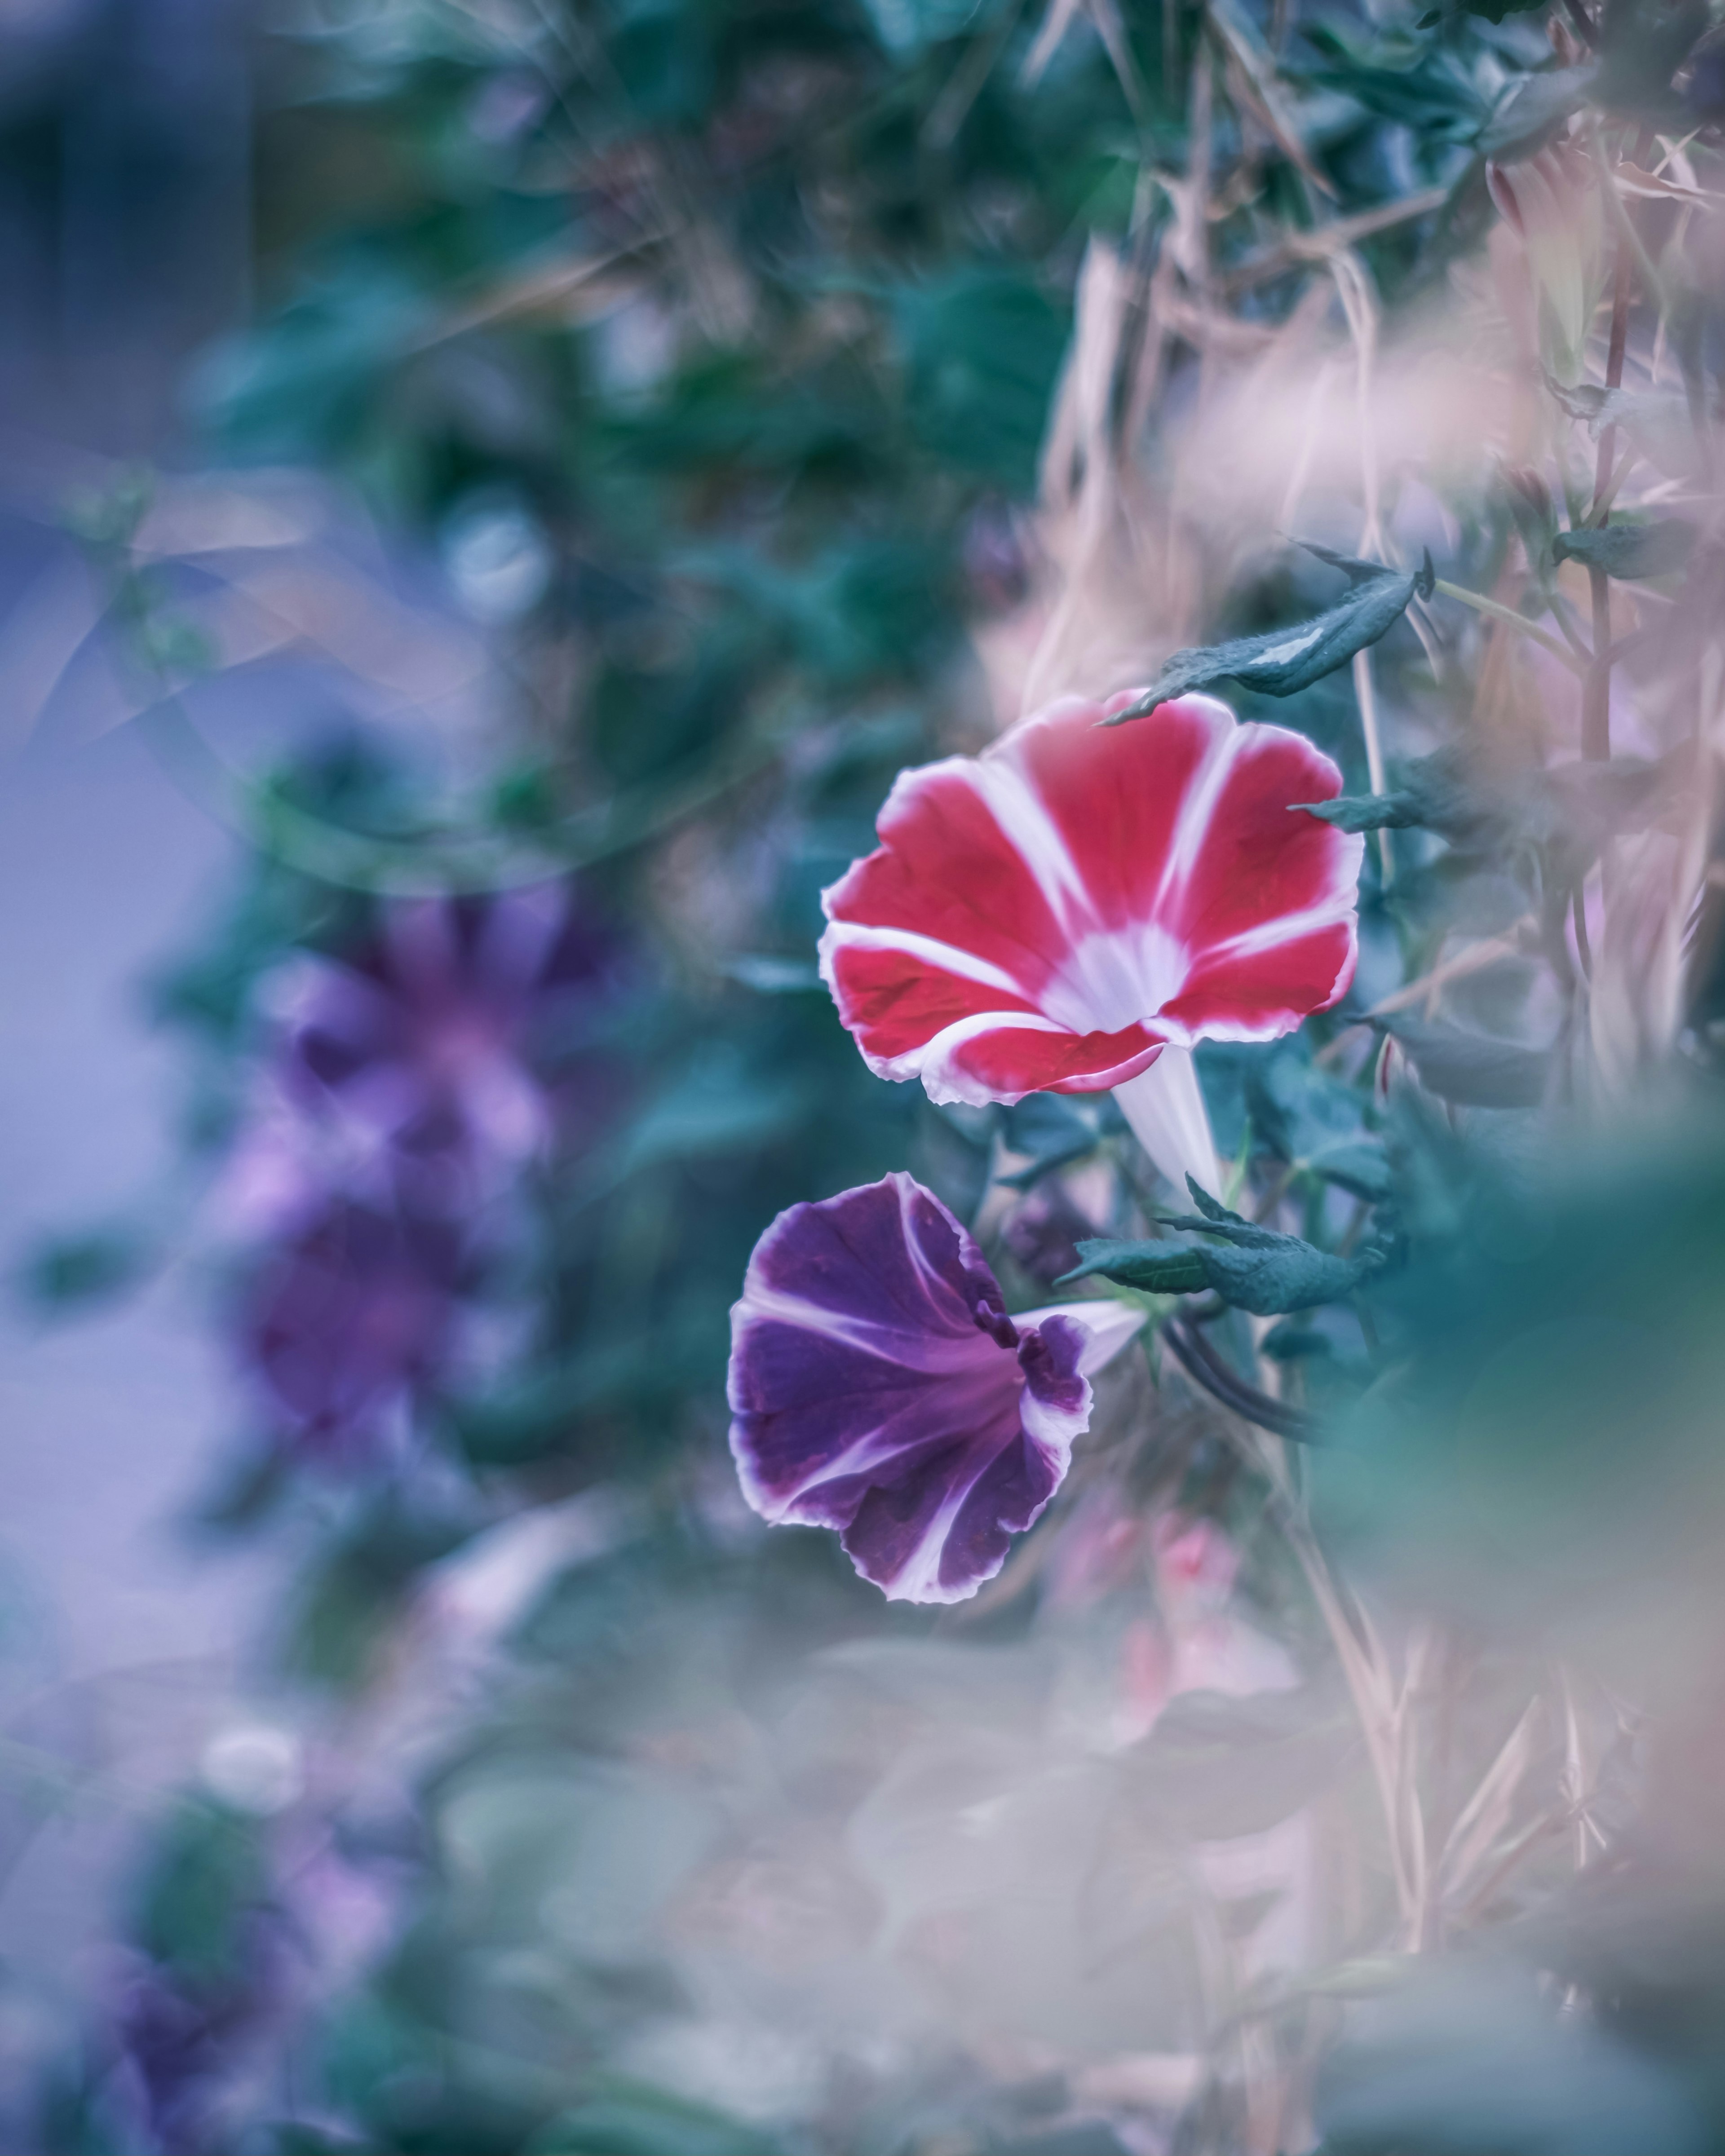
(189,2050)
(1043,1232)
(184,2038)
(431,1049)
(878,1386)
(412,1083)
(350,1324)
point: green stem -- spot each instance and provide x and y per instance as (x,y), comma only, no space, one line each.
(1510,619)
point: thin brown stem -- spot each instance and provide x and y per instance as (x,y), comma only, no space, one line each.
(1508,616)
(1596,693)
(1583,947)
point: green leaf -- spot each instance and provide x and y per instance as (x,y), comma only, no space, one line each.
(1581,801)
(648,2122)
(1366,812)
(1629,549)
(1427,91)
(1357,1165)
(1258,1269)
(1492,11)
(1310,1119)
(982,350)
(1436,794)
(1281,661)
(1052,1131)
(1472,1070)
(1641,47)
(1153,1268)
(1531,111)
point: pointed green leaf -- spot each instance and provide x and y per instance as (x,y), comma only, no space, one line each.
(1154,1268)
(1427,91)
(1366,812)
(1257,1269)
(1270,1280)
(1472,1070)
(1629,550)
(1280,661)
(1436,795)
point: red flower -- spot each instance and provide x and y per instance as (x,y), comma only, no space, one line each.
(1049,916)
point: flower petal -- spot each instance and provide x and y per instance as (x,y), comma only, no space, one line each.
(1106,1327)
(1001,1059)
(1047,916)
(1118,795)
(947,868)
(1252,865)
(878,1388)
(1257,993)
(898,997)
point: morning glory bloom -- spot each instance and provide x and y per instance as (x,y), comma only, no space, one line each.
(431,1050)
(411,1079)
(878,1386)
(1083,904)
(349,1326)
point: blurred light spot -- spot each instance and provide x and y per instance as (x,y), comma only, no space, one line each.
(497,558)
(254,1767)
(634,346)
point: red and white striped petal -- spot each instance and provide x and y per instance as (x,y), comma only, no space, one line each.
(1047,916)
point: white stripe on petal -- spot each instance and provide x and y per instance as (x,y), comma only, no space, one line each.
(949,958)
(926,1350)
(1290,927)
(943,1080)
(1054,1428)
(1203,789)
(917,1580)
(907,1192)
(1018,809)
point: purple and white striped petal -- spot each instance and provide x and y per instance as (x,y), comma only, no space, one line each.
(878,1386)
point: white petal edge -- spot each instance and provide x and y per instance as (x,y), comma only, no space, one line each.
(1107,1326)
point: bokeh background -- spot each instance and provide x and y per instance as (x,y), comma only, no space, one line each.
(491,494)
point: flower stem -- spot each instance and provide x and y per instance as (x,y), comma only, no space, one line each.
(1596,693)
(1510,618)
(1205,1367)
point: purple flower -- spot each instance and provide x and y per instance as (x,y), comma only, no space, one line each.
(427,1048)
(411,1081)
(878,1386)
(350,1324)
